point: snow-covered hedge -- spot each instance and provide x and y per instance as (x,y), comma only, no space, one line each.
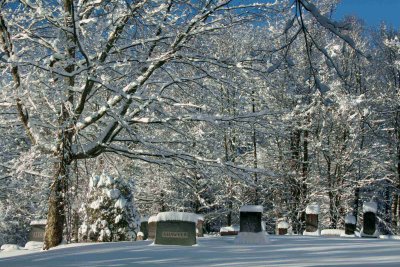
(110,214)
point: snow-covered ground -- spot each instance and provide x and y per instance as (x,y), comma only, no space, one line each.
(218,251)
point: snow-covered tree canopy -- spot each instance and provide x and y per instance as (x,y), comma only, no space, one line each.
(208,104)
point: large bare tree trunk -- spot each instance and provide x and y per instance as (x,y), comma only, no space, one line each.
(56,213)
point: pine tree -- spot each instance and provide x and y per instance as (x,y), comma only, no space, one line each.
(109,213)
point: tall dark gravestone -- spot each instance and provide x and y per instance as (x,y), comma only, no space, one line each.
(369,220)
(251,231)
(349,224)
(176,228)
(38,228)
(312,212)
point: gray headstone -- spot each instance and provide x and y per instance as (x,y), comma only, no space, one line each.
(37,232)
(181,233)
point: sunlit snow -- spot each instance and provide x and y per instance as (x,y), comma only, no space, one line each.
(217,251)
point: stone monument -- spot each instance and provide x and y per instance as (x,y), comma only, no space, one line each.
(176,228)
(251,231)
(38,228)
(369,220)
(312,212)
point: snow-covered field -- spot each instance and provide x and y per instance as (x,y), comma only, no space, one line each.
(218,251)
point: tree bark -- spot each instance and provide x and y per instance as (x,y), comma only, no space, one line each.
(56,213)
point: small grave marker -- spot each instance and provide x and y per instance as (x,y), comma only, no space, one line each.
(312,212)
(349,224)
(38,228)
(283,227)
(229,230)
(140,236)
(176,228)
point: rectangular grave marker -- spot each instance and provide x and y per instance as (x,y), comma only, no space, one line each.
(369,220)
(250,222)
(283,228)
(38,228)
(312,227)
(176,228)
(251,231)
(349,224)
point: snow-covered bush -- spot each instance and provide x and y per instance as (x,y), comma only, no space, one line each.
(109,213)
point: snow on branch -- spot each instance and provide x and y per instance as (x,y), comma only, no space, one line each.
(328,24)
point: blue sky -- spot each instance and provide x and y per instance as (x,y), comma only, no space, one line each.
(371,11)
